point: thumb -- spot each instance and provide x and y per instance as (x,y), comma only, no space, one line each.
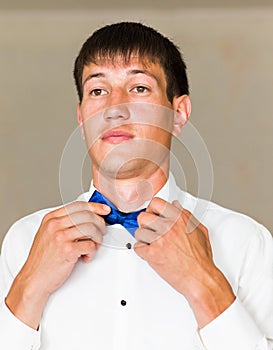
(177,204)
(99,208)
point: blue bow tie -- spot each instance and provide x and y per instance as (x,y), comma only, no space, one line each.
(127,220)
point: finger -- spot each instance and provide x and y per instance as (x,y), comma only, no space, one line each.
(146,219)
(146,236)
(142,250)
(85,249)
(88,257)
(97,208)
(156,223)
(177,204)
(83,217)
(160,207)
(85,232)
(78,233)
(188,217)
(193,222)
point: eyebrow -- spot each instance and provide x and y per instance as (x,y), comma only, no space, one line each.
(131,72)
(91,76)
(143,71)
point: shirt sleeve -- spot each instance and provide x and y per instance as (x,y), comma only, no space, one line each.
(14,334)
(248,323)
(233,329)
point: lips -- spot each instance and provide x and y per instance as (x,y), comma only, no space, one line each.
(117,136)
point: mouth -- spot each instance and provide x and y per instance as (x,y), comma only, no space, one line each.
(117,136)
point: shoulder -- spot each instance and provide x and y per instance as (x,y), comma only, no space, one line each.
(223,223)
(24,229)
(241,246)
(19,238)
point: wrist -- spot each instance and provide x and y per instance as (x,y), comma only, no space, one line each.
(26,302)
(210,297)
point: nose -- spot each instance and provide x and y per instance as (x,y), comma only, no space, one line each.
(118,109)
(118,112)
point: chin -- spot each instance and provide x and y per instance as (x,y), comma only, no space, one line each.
(129,158)
(119,168)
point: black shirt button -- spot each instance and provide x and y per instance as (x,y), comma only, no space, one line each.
(123,302)
(129,245)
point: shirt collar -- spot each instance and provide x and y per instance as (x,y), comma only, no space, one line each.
(168,192)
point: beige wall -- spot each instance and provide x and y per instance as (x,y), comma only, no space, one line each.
(230,59)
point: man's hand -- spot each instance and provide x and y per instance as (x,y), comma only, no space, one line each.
(177,247)
(65,235)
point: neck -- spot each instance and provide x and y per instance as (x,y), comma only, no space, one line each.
(130,193)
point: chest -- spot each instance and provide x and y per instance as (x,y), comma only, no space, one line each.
(117,302)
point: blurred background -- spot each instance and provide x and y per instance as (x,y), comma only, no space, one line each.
(228,48)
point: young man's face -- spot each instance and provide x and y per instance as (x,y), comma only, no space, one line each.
(126,117)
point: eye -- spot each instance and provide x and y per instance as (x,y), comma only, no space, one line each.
(140,89)
(97,92)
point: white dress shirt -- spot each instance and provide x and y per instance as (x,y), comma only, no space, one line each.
(118,302)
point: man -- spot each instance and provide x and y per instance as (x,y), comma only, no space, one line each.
(75,277)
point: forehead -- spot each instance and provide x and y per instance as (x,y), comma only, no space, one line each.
(118,64)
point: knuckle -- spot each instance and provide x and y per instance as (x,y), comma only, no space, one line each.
(166,227)
(46,219)
(138,234)
(156,200)
(67,249)
(101,221)
(49,215)
(99,239)
(61,236)
(100,227)
(153,203)
(186,211)
(52,225)
(96,239)
(181,216)
(90,216)
(181,221)
(88,213)
(91,228)
(150,253)
(92,246)
(92,231)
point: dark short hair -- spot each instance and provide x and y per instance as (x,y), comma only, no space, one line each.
(126,38)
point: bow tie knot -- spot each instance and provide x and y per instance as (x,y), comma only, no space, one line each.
(127,220)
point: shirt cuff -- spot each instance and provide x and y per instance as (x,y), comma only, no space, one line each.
(233,329)
(16,334)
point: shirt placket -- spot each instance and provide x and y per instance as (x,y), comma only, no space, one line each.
(124,297)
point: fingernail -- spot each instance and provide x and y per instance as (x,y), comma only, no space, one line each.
(106,207)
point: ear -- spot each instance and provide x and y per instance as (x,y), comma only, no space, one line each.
(182,109)
(80,120)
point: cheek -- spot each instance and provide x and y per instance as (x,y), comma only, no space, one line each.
(90,108)
(92,131)
(158,134)
(153,115)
